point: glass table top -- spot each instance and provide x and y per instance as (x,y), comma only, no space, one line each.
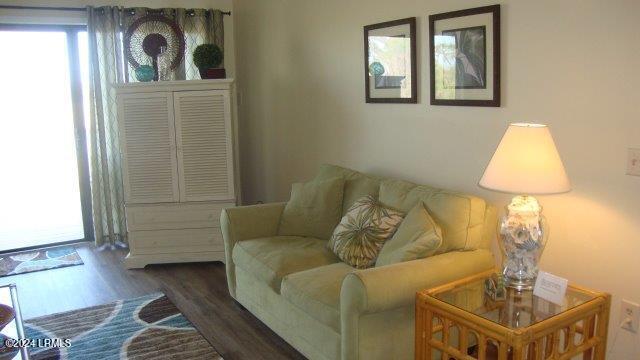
(516,309)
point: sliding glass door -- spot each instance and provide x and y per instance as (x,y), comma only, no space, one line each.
(44,189)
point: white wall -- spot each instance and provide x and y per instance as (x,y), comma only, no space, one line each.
(571,64)
(74,17)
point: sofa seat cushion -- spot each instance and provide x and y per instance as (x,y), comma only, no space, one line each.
(317,292)
(272,258)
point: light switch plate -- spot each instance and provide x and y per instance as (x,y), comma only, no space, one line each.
(633,162)
(629,315)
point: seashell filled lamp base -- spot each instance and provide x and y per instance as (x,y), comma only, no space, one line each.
(523,236)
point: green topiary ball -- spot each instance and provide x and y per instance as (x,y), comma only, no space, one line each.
(207,56)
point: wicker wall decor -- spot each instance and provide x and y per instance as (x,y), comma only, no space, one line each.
(154,40)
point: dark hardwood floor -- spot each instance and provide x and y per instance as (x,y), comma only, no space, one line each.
(199,290)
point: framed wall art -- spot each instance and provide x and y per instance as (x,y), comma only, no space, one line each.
(464,49)
(390,62)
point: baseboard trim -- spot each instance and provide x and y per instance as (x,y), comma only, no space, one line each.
(139,261)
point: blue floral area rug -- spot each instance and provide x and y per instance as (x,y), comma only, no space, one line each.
(150,327)
(38,260)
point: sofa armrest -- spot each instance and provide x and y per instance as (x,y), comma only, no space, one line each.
(243,223)
(383,293)
(250,222)
(393,286)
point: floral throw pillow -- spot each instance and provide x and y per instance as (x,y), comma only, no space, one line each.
(365,227)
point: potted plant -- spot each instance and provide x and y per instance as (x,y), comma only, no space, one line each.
(208,57)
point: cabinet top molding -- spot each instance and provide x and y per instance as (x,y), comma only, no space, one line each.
(176,85)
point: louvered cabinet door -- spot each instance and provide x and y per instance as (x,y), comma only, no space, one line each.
(204,141)
(147,137)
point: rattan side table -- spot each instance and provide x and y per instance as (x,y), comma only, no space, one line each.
(460,321)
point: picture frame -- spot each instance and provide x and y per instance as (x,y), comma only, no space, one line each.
(390,66)
(464,53)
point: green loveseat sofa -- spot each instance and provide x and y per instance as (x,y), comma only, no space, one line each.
(329,310)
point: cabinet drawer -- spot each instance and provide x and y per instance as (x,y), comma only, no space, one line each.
(175,241)
(174,216)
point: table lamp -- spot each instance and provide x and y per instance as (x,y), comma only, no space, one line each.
(526,162)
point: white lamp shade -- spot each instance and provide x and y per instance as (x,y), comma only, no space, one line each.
(526,162)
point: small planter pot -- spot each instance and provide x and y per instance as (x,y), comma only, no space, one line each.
(217,73)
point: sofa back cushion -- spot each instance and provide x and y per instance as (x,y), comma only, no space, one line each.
(356,186)
(461,217)
(314,209)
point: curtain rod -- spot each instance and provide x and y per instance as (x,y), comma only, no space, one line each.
(19,7)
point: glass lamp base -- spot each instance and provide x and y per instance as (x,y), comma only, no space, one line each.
(519,284)
(523,232)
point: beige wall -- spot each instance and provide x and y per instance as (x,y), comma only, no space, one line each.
(570,64)
(73,17)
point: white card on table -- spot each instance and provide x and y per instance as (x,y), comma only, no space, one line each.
(550,287)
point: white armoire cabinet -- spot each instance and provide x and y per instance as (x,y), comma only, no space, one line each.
(179,160)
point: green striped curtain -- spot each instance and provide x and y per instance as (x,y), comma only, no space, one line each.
(107,66)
